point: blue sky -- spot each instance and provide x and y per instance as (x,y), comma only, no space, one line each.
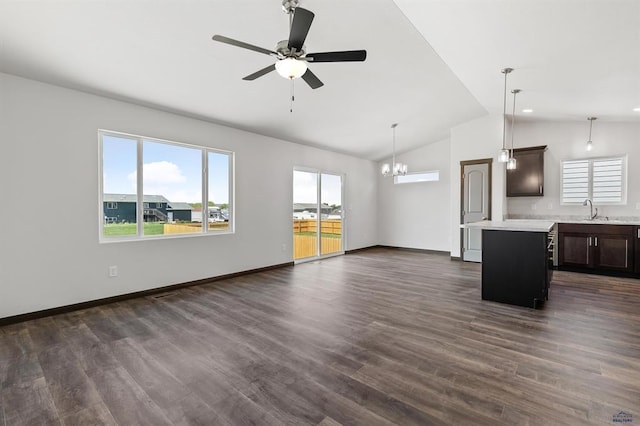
(169,170)
(305,188)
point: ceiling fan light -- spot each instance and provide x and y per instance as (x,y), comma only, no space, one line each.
(291,68)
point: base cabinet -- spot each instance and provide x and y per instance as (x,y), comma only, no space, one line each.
(637,262)
(516,267)
(598,247)
(574,249)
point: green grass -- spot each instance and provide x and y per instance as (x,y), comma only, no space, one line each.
(124,229)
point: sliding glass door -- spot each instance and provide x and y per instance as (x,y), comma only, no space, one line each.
(317,214)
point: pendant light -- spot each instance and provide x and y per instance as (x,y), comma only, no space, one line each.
(511,163)
(589,143)
(503,156)
(394,169)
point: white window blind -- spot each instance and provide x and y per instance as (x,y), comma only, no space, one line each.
(600,179)
(607,180)
(575,181)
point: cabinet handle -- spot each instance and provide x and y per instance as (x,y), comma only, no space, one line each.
(589,241)
(540,189)
(638,232)
(596,238)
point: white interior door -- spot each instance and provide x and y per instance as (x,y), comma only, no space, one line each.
(475,207)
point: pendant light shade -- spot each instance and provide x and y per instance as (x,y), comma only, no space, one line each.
(503,156)
(394,169)
(589,142)
(511,162)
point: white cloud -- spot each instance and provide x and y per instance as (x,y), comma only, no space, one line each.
(159,173)
(166,179)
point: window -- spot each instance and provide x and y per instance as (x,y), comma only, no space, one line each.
(431,176)
(152,188)
(603,180)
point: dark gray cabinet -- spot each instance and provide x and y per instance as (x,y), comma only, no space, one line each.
(527,180)
(599,247)
(516,267)
(637,243)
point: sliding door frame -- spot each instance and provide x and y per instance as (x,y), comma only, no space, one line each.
(319,173)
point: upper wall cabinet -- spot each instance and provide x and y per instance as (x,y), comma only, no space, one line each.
(527,180)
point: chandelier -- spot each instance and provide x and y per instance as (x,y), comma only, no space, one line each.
(394,169)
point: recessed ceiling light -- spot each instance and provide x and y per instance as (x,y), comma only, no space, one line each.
(527,110)
(637,109)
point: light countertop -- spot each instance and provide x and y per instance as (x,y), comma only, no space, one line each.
(514,225)
(598,221)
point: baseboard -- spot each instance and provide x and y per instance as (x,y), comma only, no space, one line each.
(417,250)
(456,258)
(361,249)
(98,302)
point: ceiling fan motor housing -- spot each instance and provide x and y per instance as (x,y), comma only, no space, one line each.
(283,48)
(289,5)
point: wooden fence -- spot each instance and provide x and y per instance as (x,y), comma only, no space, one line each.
(327,226)
(305,238)
(190,227)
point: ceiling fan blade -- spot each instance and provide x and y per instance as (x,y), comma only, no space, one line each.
(227,40)
(260,73)
(345,56)
(311,79)
(302,19)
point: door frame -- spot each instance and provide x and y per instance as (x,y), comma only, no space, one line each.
(319,173)
(489,162)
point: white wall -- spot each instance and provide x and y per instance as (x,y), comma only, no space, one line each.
(49,193)
(416,215)
(567,140)
(477,139)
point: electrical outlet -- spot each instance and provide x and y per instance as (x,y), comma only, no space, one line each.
(284,247)
(113,271)
(550,206)
(637,206)
(534,206)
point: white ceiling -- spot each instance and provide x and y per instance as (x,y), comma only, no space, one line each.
(432,64)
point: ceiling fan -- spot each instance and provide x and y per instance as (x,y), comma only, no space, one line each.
(291,56)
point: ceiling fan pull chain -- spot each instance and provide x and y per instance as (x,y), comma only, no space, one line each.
(293,98)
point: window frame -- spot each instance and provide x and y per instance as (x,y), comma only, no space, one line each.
(397,180)
(590,180)
(141,205)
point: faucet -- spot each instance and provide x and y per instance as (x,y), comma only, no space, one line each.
(591,214)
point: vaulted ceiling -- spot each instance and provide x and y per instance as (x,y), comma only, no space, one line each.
(431,64)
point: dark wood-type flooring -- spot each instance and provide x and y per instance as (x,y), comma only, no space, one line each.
(380,336)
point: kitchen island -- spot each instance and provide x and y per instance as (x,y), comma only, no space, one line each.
(517,257)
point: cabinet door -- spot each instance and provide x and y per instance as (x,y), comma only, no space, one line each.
(527,180)
(637,245)
(613,252)
(574,249)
